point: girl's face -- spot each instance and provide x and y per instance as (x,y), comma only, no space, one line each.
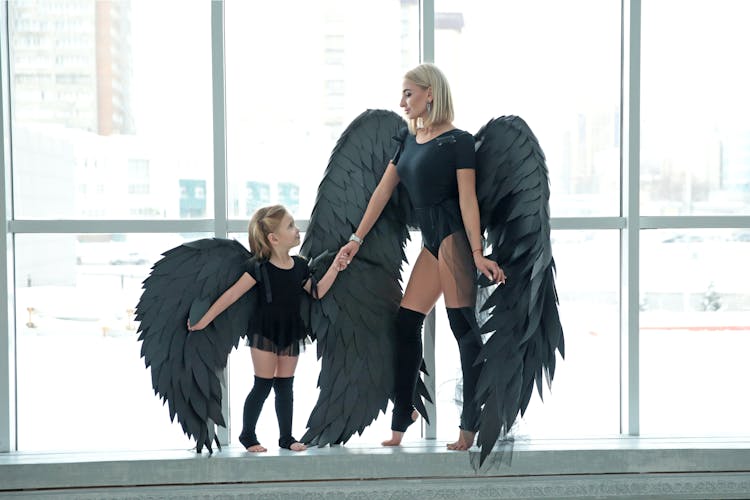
(287,234)
(414,100)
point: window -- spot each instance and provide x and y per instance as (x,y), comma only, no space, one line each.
(145,115)
(283,123)
(695,137)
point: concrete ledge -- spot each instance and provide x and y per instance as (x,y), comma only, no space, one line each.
(604,468)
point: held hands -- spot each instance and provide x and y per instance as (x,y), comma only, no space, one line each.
(341,260)
(347,253)
(350,250)
(490,269)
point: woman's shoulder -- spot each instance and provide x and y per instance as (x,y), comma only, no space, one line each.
(462,134)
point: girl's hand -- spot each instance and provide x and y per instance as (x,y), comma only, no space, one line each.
(350,250)
(341,260)
(195,327)
(490,269)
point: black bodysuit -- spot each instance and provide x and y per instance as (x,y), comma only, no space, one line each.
(428,172)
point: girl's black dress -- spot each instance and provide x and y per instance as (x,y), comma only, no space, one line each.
(278,326)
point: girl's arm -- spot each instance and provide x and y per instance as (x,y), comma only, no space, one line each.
(467,199)
(325,283)
(375,206)
(234,292)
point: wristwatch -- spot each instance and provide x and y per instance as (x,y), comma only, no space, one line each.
(356,238)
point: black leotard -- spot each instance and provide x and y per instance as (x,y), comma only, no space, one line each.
(428,171)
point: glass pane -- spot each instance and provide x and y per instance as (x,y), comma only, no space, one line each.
(695,332)
(286,107)
(695,137)
(82,384)
(104,105)
(557,69)
(584,399)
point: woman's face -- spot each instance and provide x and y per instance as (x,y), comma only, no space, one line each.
(414,100)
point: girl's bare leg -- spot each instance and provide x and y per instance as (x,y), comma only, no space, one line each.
(264,366)
(285,367)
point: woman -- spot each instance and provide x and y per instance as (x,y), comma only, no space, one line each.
(437,166)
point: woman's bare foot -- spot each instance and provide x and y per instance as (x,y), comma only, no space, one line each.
(256,448)
(395,439)
(397,436)
(465,441)
(296,446)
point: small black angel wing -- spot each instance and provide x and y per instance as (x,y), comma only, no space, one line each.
(186,367)
(355,321)
(513,193)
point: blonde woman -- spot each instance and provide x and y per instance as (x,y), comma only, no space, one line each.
(436,164)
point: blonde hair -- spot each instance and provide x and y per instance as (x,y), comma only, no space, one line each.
(264,221)
(429,76)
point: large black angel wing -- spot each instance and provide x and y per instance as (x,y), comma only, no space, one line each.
(355,321)
(513,193)
(186,367)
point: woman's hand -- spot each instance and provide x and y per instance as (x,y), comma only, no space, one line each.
(489,268)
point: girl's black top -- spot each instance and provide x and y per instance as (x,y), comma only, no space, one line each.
(280,293)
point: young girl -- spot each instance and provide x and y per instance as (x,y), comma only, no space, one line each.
(277,330)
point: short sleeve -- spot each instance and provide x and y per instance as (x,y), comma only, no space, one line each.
(302,268)
(465,156)
(252,268)
(400,139)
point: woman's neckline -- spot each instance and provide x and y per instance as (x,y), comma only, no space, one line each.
(433,138)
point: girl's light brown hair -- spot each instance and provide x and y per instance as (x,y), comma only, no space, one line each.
(264,221)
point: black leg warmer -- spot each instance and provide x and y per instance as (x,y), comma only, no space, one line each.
(253,406)
(469,345)
(408,361)
(283,389)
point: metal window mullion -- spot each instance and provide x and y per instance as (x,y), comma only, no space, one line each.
(630,199)
(8,407)
(427,31)
(427,54)
(218,77)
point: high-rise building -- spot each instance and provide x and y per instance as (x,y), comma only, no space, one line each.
(71,64)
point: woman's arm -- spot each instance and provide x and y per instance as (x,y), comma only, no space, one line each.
(234,292)
(375,207)
(467,200)
(325,283)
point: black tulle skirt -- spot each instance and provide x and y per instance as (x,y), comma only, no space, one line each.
(277,331)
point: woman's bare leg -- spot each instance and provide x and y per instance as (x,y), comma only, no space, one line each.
(422,291)
(456,270)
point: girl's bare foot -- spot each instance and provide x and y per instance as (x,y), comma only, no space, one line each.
(465,441)
(296,446)
(256,448)
(398,436)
